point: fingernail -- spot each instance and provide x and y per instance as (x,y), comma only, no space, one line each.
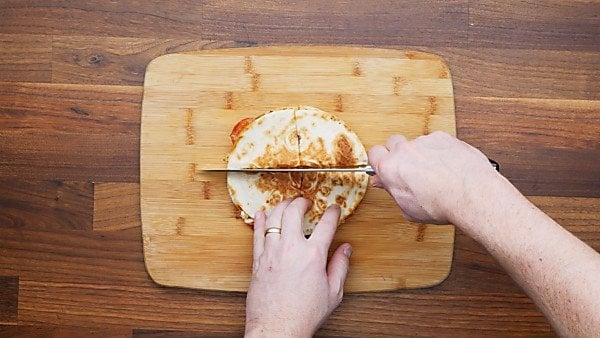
(348,251)
(335,206)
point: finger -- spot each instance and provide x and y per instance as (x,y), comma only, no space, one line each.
(274,220)
(292,219)
(325,229)
(376,154)
(337,270)
(394,140)
(376,182)
(259,234)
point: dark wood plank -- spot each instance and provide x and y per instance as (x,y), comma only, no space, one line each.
(78,133)
(9,299)
(433,315)
(438,23)
(25,58)
(137,333)
(522,72)
(172,309)
(545,147)
(111,60)
(113,258)
(76,157)
(102,18)
(40,331)
(130,304)
(579,215)
(555,24)
(55,109)
(116,206)
(46,204)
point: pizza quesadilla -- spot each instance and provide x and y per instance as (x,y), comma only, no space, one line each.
(296,138)
(326,142)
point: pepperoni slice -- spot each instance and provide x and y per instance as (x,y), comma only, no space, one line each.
(241,125)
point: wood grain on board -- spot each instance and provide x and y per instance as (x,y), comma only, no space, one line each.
(191,102)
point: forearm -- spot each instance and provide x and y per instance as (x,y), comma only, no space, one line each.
(558,271)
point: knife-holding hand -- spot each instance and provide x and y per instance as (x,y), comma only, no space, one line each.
(293,289)
(432,177)
(440,179)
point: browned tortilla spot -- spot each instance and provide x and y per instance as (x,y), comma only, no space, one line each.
(344,152)
(280,185)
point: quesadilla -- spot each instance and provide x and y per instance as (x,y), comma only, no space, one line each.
(326,142)
(269,141)
(305,137)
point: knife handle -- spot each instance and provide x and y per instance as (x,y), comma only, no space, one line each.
(495,165)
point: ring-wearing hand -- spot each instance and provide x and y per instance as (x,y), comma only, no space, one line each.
(293,289)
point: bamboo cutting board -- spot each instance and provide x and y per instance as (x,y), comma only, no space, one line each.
(192,234)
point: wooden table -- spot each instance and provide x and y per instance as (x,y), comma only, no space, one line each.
(527,85)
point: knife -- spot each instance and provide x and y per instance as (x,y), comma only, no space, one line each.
(366,169)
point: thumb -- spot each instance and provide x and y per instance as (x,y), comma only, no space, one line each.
(337,270)
(376,182)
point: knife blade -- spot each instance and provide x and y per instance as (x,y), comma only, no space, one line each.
(367,169)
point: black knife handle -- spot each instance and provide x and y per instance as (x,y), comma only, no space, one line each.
(495,165)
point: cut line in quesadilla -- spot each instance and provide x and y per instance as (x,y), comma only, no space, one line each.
(304,137)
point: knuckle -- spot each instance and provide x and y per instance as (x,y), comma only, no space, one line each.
(386,165)
(439,133)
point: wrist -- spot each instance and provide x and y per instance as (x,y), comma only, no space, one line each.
(485,203)
(277,329)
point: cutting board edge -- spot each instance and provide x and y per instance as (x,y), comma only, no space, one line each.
(399,285)
(291,50)
(279,50)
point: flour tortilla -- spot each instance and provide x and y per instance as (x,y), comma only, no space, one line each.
(326,141)
(289,138)
(270,141)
